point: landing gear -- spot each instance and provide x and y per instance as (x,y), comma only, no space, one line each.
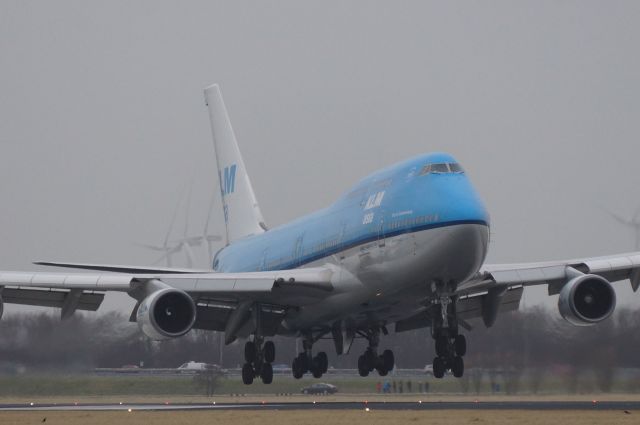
(306,362)
(258,358)
(450,345)
(370,360)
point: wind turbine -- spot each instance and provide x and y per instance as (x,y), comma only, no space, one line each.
(633,223)
(185,243)
(204,239)
(165,248)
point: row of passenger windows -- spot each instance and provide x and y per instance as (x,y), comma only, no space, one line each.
(441,168)
(413,221)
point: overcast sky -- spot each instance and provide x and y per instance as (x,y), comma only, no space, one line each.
(103,123)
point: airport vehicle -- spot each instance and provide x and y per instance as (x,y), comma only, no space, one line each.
(405,247)
(195,366)
(320,388)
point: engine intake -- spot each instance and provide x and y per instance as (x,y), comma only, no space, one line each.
(586,300)
(167,313)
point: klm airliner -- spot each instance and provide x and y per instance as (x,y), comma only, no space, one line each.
(403,249)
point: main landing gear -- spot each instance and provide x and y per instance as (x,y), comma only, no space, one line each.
(450,345)
(370,360)
(307,362)
(258,357)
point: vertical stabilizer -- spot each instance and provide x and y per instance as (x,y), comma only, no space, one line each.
(242,214)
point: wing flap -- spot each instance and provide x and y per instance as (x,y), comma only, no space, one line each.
(88,301)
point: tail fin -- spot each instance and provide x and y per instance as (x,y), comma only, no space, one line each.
(242,214)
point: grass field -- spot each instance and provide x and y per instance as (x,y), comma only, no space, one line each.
(88,385)
(324,417)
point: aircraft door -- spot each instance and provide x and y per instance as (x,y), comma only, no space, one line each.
(381,234)
(297,251)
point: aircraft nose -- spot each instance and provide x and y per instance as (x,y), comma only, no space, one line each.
(462,202)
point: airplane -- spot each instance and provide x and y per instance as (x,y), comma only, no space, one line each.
(404,247)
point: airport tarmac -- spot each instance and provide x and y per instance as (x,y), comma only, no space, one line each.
(319,405)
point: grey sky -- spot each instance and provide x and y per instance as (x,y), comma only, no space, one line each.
(102,119)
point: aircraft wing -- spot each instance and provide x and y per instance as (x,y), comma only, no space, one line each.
(85,291)
(499,287)
(554,273)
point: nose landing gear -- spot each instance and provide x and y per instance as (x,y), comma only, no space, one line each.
(450,345)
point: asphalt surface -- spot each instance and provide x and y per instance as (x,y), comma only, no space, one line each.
(319,405)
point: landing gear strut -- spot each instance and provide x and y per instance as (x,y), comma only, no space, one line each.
(370,360)
(450,345)
(258,358)
(306,362)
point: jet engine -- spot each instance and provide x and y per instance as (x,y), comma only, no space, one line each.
(586,300)
(167,313)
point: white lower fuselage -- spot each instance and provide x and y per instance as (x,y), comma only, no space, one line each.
(390,279)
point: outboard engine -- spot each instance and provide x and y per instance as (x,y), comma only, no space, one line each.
(586,300)
(167,313)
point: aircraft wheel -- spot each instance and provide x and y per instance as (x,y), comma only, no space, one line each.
(457,367)
(316,367)
(442,346)
(363,367)
(438,367)
(250,352)
(247,374)
(460,345)
(388,359)
(323,360)
(296,368)
(305,365)
(267,373)
(269,351)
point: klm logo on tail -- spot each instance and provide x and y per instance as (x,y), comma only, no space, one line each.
(228,180)
(227,186)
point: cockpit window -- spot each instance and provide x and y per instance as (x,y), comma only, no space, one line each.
(455,167)
(441,168)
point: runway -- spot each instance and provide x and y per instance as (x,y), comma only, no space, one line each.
(319,405)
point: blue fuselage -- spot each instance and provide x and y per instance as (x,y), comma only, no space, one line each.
(403,198)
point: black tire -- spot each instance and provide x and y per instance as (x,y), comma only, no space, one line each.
(382,371)
(323,361)
(316,367)
(269,351)
(266,373)
(457,367)
(388,359)
(438,367)
(304,362)
(247,374)
(363,367)
(370,359)
(250,352)
(296,368)
(442,346)
(460,345)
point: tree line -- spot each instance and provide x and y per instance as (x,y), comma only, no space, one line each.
(533,339)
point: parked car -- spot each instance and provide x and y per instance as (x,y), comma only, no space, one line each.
(321,388)
(197,366)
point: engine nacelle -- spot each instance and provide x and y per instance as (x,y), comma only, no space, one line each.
(586,300)
(167,313)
